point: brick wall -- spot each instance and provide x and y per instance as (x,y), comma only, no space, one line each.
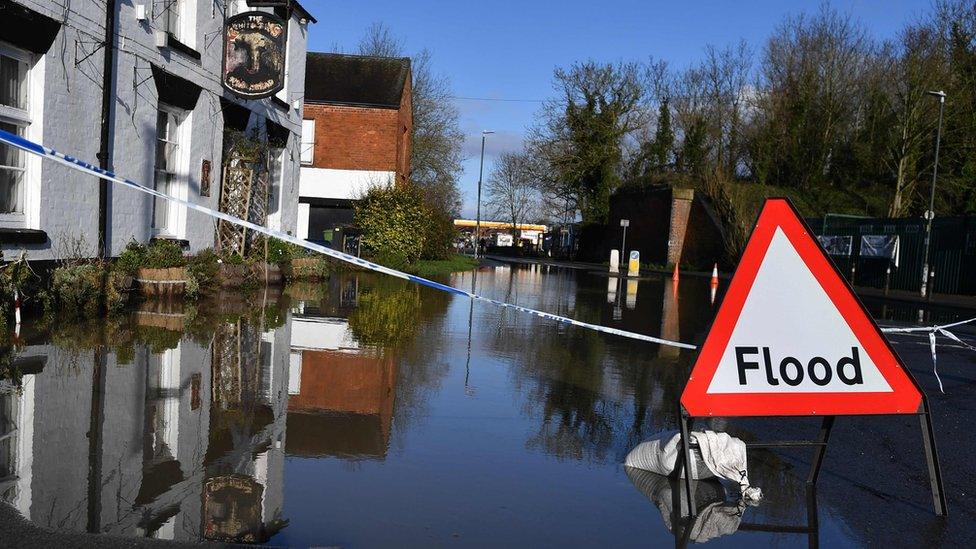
(656,216)
(360,138)
(681,200)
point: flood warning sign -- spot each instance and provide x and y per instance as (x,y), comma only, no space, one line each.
(790,337)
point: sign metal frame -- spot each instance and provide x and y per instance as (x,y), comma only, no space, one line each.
(923,412)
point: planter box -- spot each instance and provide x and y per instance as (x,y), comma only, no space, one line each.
(162,282)
(309,268)
(232,276)
(271,275)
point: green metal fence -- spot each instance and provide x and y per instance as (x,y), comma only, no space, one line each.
(952,254)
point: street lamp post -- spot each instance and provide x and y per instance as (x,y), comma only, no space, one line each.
(481,172)
(623,242)
(930,213)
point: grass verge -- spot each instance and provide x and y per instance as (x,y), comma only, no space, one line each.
(453,264)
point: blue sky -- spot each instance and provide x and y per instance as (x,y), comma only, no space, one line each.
(508,49)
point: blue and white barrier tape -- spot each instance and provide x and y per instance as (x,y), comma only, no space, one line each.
(82,166)
(931,331)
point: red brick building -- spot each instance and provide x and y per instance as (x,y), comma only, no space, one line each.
(355,134)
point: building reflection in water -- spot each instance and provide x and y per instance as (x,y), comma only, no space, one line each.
(162,435)
(341,391)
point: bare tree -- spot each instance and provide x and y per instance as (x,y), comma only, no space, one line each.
(435,160)
(709,103)
(512,193)
(379,41)
(901,76)
(810,92)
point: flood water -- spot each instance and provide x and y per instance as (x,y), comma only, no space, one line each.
(369,412)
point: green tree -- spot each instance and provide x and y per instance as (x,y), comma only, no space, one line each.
(810,93)
(580,135)
(663,144)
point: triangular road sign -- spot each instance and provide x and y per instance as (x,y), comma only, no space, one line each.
(792,339)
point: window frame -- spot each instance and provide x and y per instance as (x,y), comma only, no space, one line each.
(177,170)
(22,118)
(184,30)
(311,143)
(276,157)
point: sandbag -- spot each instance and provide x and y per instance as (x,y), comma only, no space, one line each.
(659,453)
(712,455)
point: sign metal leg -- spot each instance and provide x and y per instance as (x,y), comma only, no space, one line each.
(932,458)
(821,450)
(813,517)
(686,423)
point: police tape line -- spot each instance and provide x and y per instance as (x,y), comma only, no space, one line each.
(927,328)
(82,166)
(931,331)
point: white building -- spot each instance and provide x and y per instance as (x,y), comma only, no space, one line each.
(168,113)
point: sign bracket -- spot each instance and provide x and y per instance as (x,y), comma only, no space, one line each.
(820,444)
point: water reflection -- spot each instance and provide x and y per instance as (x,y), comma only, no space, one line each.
(342,388)
(152,433)
(369,411)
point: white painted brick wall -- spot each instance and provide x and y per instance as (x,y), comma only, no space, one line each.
(71,124)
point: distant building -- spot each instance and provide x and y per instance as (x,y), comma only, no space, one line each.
(168,112)
(355,133)
(530,234)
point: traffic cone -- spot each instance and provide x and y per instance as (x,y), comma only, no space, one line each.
(17,308)
(714,283)
(674,277)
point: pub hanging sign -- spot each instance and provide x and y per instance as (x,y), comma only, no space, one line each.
(254,54)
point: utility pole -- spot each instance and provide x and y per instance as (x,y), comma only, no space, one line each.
(481,172)
(930,213)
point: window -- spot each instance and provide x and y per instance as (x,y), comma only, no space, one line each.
(178,19)
(275,172)
(165,178)
(308,141)
(14,118)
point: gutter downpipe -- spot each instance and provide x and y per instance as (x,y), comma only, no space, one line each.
(105,147)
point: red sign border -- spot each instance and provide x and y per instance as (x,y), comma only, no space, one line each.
(906,396)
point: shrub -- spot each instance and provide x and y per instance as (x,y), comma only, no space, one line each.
(158,254)
(201,273)
(399,227)
(393,220)
(279,252)
(440,236)
(163,254)
(79,288)
(132,258)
